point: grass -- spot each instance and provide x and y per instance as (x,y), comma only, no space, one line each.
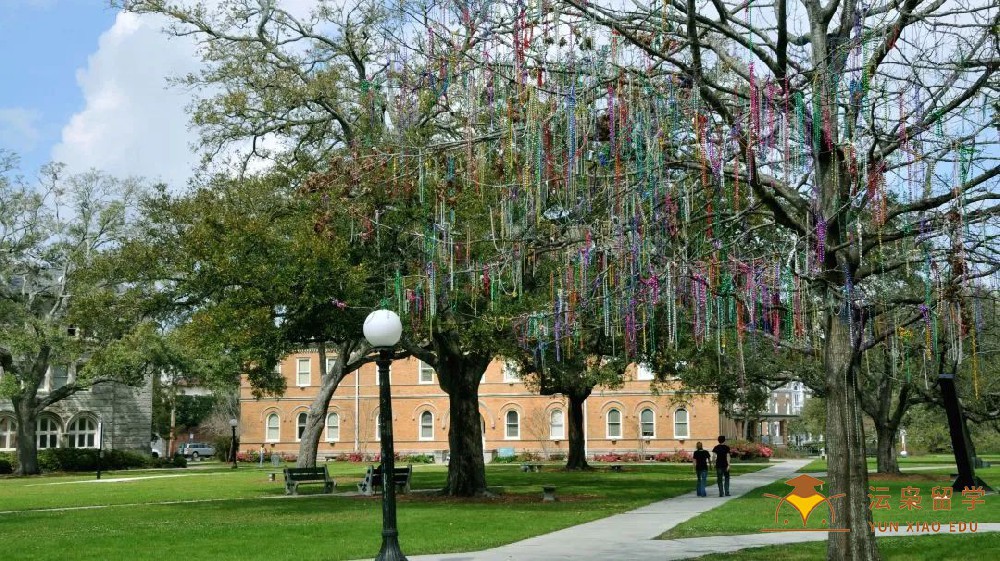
(753,512)
(240,513)
(928,460)
(937,547)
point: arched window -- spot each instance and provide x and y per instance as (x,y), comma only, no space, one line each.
(681,423)
(273,428)
(47,432)
(557,430)
(513,426)
(378,425)
(647,423)
(332,427)
(83,433)
(426,426)
(614,423)
(300,425)
(8,433)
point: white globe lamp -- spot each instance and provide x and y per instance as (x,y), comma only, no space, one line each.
(383,328)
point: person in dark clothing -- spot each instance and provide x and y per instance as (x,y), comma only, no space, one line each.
(721,452)
(702,459)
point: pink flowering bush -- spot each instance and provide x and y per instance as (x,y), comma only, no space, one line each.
(749,451)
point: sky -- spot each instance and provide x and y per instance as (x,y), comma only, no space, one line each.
(86,85)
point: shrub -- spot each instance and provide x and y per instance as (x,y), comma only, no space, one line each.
(749,451)
(6,467)
(179,461)
(557,457)
(679,456)
(612,457)
(10,458)
(417,459)
(86,459)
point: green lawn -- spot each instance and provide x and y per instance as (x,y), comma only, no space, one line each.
(919,548)
(753,512)
(927,460)
(243,514)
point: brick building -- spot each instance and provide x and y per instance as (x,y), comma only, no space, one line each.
(629,419)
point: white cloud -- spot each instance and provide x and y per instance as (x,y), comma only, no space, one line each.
(132,122)
(18,128)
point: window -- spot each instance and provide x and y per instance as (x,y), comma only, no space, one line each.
(511,372)
(647,423)
(681,423)
(60,375)
(329,365)
(643,372)
(300,425)
(273,428)
(614,423)
(426,373)
(332,427)
(426,426)
(557,430)
(378,430)
(303,375)
(8,433)
(83,433)
(47,433)
(513,426)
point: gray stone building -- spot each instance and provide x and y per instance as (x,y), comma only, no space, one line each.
(123,413)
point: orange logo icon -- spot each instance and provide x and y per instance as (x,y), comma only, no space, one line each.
(804,498)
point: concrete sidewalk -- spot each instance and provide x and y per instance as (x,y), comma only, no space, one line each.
(624,537)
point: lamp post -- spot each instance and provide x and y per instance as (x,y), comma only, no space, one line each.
(382,329)
(232,424)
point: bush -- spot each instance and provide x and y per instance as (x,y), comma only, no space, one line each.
(417,459)
(557,457)
(6,467)
(179,461)
(679,456)
(749,451)
(86,459)
(9,458)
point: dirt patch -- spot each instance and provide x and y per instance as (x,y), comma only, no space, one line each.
(908,477)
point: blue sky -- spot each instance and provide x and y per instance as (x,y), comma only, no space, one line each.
(44,43)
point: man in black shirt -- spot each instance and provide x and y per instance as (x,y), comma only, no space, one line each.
(721,452)
(701,460)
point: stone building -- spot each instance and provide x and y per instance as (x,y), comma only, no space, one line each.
(123,413)
(629,419)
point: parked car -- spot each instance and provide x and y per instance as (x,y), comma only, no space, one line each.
(196,450)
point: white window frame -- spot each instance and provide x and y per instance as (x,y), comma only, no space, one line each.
(336,416)
(88,434)
(643,372)
(511,373)
(686,424)
(423,425)
(643,423)
(608,424)
(378,433)
(422,369)
(329,363)
(559,434)
(8,434)
(276,427)
(48,432)
(507,425)
(299,372)
(301,422)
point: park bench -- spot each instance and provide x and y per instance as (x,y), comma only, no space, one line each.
(296,476)
(372,482)
(615,467)
(531,466)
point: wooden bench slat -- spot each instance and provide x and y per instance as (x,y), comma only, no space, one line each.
(296,476)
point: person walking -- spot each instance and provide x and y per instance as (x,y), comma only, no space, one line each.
(702,460)
(721,452)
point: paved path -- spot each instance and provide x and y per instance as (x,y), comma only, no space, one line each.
(631,536)
(623,537)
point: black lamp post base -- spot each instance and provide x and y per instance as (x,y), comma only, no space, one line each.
(390,550)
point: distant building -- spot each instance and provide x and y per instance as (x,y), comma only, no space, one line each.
(784,405)
(122,412)
(630,419)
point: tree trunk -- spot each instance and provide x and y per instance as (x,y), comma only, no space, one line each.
(27,443)
(885,454)
(459,375)
(845,441)
(316,415)
(577,456)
